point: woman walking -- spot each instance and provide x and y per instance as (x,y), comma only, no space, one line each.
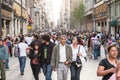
(108,66)
(35,60)
(77,50)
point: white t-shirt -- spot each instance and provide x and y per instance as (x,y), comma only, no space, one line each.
(62,53)
(22,46)
(75,52)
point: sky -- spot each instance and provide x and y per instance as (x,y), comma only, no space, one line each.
(56,9)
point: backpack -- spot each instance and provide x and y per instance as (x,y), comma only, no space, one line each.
(16,51)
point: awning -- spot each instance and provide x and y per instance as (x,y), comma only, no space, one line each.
(114,23)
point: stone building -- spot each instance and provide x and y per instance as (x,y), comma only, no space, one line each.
(89,4)
(6,12)
(19,17)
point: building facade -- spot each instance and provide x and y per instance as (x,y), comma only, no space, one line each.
(100,16)
(6,11)
(89,4)
(20,16)
(115,16)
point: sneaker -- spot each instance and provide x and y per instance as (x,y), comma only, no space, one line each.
(22,73)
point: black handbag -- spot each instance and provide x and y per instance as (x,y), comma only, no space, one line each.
(78,60)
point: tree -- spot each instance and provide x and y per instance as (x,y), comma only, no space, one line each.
(78,14)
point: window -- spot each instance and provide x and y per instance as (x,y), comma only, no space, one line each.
(19,1)
(24,3)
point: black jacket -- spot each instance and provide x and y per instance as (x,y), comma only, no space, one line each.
(32,56)
(49,52)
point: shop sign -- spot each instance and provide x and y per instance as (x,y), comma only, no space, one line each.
(100,11)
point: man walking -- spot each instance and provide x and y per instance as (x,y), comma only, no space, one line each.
(3,57)
(46,53)
(61,58)
(22,58)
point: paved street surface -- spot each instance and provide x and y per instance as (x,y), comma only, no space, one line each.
(88,72)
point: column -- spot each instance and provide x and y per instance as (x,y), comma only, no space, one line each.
(12,25)
(15,28)
(4,25)
(10,28)
(105,25)
(107,28)
(19,26)
(94,22)
(24,28)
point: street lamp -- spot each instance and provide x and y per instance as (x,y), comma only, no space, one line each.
(0,19)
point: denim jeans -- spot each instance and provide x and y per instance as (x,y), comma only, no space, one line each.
(96,52)
(47,70)
(75,71)
(22,61)
(7,64)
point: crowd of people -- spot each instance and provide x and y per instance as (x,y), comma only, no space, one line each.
(58,51)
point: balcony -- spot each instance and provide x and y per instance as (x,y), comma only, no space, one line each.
(7,4)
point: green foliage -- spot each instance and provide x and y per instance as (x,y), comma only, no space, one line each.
(79,13)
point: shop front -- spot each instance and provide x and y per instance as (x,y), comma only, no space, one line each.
(114,26)
(6,19)
(100,17)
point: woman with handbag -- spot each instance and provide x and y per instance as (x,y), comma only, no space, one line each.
(35,63)
(78,52)
(108,66)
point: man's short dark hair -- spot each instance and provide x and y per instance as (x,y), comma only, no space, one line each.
(36,36)
(46,37)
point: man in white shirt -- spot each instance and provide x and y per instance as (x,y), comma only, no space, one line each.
(61,58)
(22,58)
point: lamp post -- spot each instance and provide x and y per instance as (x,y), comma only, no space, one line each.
(0,19)
(109,16)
